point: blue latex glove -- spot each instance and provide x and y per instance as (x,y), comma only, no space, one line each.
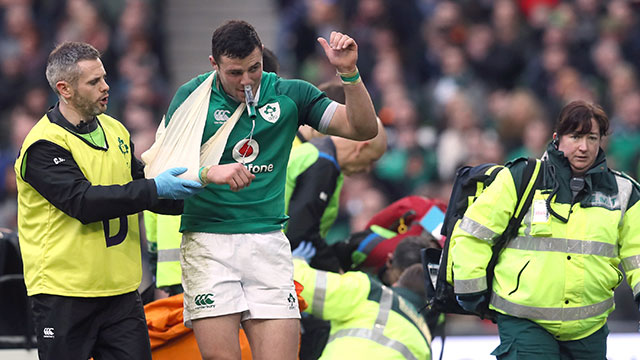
(305,250)
(169,186)
(470,303)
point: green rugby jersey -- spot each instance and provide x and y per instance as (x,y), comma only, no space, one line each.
(282,105)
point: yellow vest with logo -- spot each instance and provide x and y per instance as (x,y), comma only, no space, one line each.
(62,256)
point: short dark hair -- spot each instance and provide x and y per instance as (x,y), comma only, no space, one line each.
(577,115)
(407,251)
(235,39)
(270,61)
(62,64)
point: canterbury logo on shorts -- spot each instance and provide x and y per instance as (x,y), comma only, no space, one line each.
(204,300)
(48,333)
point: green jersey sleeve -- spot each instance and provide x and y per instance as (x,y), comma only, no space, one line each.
(314,107)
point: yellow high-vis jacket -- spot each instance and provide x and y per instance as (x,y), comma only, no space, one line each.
(164,236)
(368,320)
(562,268)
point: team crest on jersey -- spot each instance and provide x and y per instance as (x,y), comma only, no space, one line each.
(270,112)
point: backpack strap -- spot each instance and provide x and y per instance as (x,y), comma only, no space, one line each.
(530,176)
(525,193)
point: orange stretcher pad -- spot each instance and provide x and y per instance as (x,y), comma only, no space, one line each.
(170,339)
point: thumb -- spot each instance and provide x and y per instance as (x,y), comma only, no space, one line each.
(324,44)
(177,170)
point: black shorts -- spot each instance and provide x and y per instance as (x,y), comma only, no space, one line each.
(112,327)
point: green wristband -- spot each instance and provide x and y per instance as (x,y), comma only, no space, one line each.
(350,79)
(204,180)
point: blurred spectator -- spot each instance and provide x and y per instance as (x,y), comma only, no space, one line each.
(37,99)
(83,23)
(534,139)
(461,133)
(622,81)
(541,71)
(506,56)
(409,162)
(20,123)
(521,107)
(625,28)
(141,122)
(624,142)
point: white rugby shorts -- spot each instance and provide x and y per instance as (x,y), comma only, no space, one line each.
(226,274)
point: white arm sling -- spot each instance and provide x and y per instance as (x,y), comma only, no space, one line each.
(178,144)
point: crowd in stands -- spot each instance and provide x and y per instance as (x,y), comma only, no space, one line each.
(129,35)
(454,82)
(467,82)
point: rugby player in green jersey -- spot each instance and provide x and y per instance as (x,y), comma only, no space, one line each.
(236,262)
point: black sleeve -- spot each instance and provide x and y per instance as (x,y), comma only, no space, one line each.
(137,167)
(313,191)
(53,172)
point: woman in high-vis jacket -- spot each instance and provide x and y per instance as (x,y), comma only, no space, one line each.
(553,285)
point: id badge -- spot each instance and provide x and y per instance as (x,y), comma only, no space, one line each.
(540,212)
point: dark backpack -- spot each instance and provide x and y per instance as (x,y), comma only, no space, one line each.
(469,183)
